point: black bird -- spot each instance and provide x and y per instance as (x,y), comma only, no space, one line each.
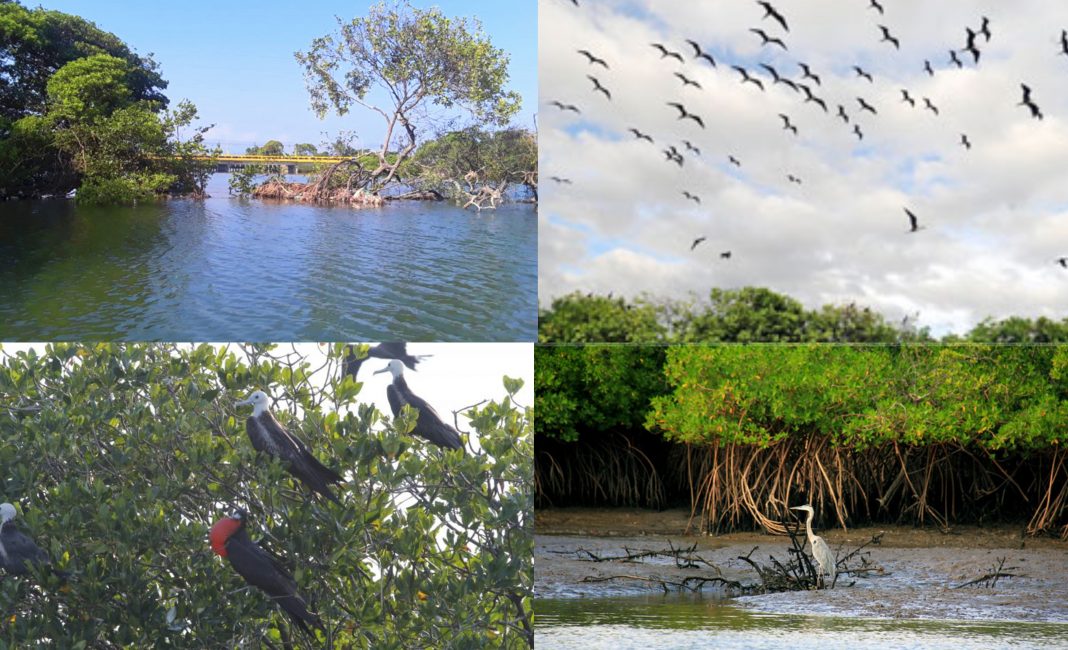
(786,126)
(1064,42)
(597,87)
(908,98)
(964,141)
(770,11)
(690,147)
(953,59)
(746,77)
(701,54)
(641,136)
(270,437)
(842,114)
(772,71)
(928,105)
(914,223)
(18,553)
(666,53)
(230,540)
(674,156)
(725,255)
(766,40)
(876,5)
(684,114)
(970,46)
(429,424)
(734,161)
(1063,261)
(693,197)
(385,351)
(861,73)
(575,2)
(865,106)
(686,81)
(889,38)
(1035,111)
(593,60)
(565,107)
(793,179)
(928,68)
(561,181)
(808,74)
(809,97)
(860,134)
(786,82)
(696,242)
(985,28)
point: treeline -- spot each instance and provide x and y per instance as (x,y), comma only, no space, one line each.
(915,433)
(80,110)
(752,315)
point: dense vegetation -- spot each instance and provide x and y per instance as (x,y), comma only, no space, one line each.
(120,457)
(78,109)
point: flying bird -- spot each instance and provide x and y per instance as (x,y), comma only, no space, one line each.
(270,437)
(889,38)
(696,242)
(842,114)
(1035,111)
(908,98)
(674,156)
(686,81)
(860,73)
(786,125)
(914,223)
(970,46)
(953,59)
(734,161)
(701,54)
(767,40)
(684,114)
(639,135)
(808,74)
(865,106)
(746,77)
(18,553)
(690,147)
(929,106)
(809,97)
(565,107)
(770,11)
(928,68)
(666,53)
(597,87)
(559,180)
(593,60)
(858,132)
(1064,43)
(965,141)
(875,5)
(772,71)
(693,197)
(230,540)
(985,28)
(725,255)
(1063,261)
(793,179)
(429,424)
(392,350)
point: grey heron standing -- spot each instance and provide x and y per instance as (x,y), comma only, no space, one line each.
(821,552)
(429,425)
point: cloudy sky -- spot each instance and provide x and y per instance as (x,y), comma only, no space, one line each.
(994,218)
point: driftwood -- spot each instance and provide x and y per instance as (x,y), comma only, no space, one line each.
(990,580)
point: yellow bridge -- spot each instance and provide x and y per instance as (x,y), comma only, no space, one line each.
(254,159)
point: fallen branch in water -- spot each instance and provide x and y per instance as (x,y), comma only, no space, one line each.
(691,583)
(990,580)
(685,558)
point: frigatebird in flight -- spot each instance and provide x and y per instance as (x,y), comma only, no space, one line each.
(985,28)
(383,351)
(889,38)
(565,107)
(230,540)
(793,179)
(746,77)
(914,223)
(684,114)
(842,114)
(699,53)
(597,87)
(696,242)
(970,46)
(559,180)
(928,68)
(641,136)
(953,59)
(429,424)
(734,161)
(908,98)
(665,53)
(593,60)
(965,141)
(672,155)
(1064,43)
(929,106)
(725,255)
(686,81)
(860,73)
(270,437)
(786,125)
(690,147)
(875,5)
(693,197)
(808,74)
(809,97)
(19,554)
(856,130)
(865,106)
(770,11)
(1063,261)
(766,40)
(1035,111)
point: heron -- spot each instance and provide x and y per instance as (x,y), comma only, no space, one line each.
(821,552)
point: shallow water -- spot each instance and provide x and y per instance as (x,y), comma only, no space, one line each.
(228,269)
(701,621)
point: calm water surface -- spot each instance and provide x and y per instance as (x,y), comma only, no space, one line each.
(227,269)
(671,621)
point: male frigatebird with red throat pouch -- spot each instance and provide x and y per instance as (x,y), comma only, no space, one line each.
(230,540)
(270,437)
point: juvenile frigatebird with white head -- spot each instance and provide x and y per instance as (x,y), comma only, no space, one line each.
(230,540)
(429,424)
(820,550)
(18,553)
(381,351)
(270,437)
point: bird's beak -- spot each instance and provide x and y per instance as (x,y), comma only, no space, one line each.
(379,372)
(244,402)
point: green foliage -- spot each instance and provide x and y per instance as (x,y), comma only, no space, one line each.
(305,149)
(88,89)
(272,148)
(122,456)
(578,318)
(1020,330)
(123,190)
(243,181)
(461,162)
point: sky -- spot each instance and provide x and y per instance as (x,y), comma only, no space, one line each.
(994,218)
(234,59)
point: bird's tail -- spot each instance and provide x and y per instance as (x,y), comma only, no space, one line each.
(297,610)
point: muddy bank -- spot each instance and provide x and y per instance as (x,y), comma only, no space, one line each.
(921,567)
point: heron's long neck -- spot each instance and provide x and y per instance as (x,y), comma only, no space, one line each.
(808,526)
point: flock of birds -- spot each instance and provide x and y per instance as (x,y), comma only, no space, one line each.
(19,554)
(808,84)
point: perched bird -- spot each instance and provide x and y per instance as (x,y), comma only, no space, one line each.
(929,106)
(565,107)
(597,87)
(593,60)
(686,81)
(770,11)
(928,68)
(746,77)
(965,141)
(786,125)
(842,114)
(767,40)
(821,552)
(701,54)
(808,74)
(914,223)
(684,114)
(865,106)
(908,98)
(970,46)
(393,350)
(18,553)
(639,135)
(230,540)
(690,147)
(696,242)
(1035,111)
(954,60)
(861,73)
(428,425)
(875,5)
(889,38)
(693,197)
(666,53)
(270,437)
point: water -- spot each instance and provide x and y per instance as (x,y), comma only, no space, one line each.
(227,269)
(686,621)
